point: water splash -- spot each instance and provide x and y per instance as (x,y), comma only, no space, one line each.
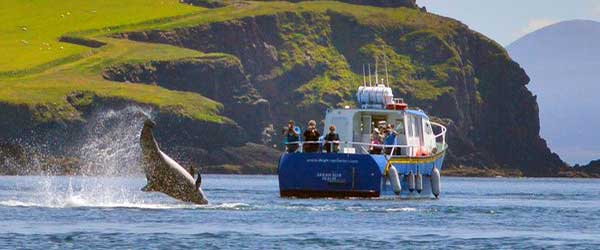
(111,146)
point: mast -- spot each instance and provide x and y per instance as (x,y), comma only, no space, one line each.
(387,79)
(364,77)
(376,75)
(370,82)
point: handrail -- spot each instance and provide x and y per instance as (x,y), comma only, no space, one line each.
(442,133)
(363,144)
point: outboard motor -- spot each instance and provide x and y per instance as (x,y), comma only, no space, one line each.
(419,182)
(411,181)
(436,182)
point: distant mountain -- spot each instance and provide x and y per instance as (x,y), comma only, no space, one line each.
(563,62)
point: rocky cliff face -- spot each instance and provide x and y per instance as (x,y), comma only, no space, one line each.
(305,62)
(34,147)
(222,79)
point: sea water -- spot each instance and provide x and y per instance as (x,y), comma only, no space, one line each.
(49,212)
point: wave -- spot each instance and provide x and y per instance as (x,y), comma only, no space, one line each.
(77,202)
(333,208)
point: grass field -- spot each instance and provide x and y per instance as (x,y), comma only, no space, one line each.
(50,88)
(30,28)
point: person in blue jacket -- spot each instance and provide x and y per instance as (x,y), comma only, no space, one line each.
(390,139)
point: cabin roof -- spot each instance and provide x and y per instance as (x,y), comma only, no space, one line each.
(408,111)
(417,112)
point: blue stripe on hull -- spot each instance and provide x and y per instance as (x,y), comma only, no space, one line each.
(347,175)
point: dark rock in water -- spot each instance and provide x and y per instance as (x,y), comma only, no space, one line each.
(592,169)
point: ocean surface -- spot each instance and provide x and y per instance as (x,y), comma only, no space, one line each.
(247,212)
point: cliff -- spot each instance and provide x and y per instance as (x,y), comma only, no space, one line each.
(266,63)
(309,60)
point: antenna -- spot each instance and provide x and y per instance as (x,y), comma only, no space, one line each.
(376,75)
(364,77)
(370,82)
(387,79)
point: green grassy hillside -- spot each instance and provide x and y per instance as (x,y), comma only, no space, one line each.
(39,71)
(30,29)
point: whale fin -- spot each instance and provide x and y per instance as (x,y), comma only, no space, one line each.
(198,180)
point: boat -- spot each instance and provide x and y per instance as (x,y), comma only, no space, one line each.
(409,167)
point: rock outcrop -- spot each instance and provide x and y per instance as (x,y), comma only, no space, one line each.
(221,79)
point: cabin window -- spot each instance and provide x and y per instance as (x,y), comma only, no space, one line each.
(417,127)
(410,123)
(400,126)
(428,129)
(365,125)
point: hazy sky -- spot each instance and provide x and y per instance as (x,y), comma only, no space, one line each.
(507,20)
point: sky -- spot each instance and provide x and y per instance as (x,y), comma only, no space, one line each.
(507,20)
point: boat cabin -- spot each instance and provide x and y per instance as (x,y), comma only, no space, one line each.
(414,129)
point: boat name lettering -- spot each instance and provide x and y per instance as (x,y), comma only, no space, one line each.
(332,161)
(330,177)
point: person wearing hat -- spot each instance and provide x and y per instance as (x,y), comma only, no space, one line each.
(292,137)
(390,139)
(311,137)
(376,139)
(332,140)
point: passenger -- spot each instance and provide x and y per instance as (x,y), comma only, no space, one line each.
(390,139)
(376,139)
(382,131)
(311,138)
(332,141)
(292,137)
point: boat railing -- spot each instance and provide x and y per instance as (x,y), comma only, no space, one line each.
(440,137)
(367,148)
(350,147)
